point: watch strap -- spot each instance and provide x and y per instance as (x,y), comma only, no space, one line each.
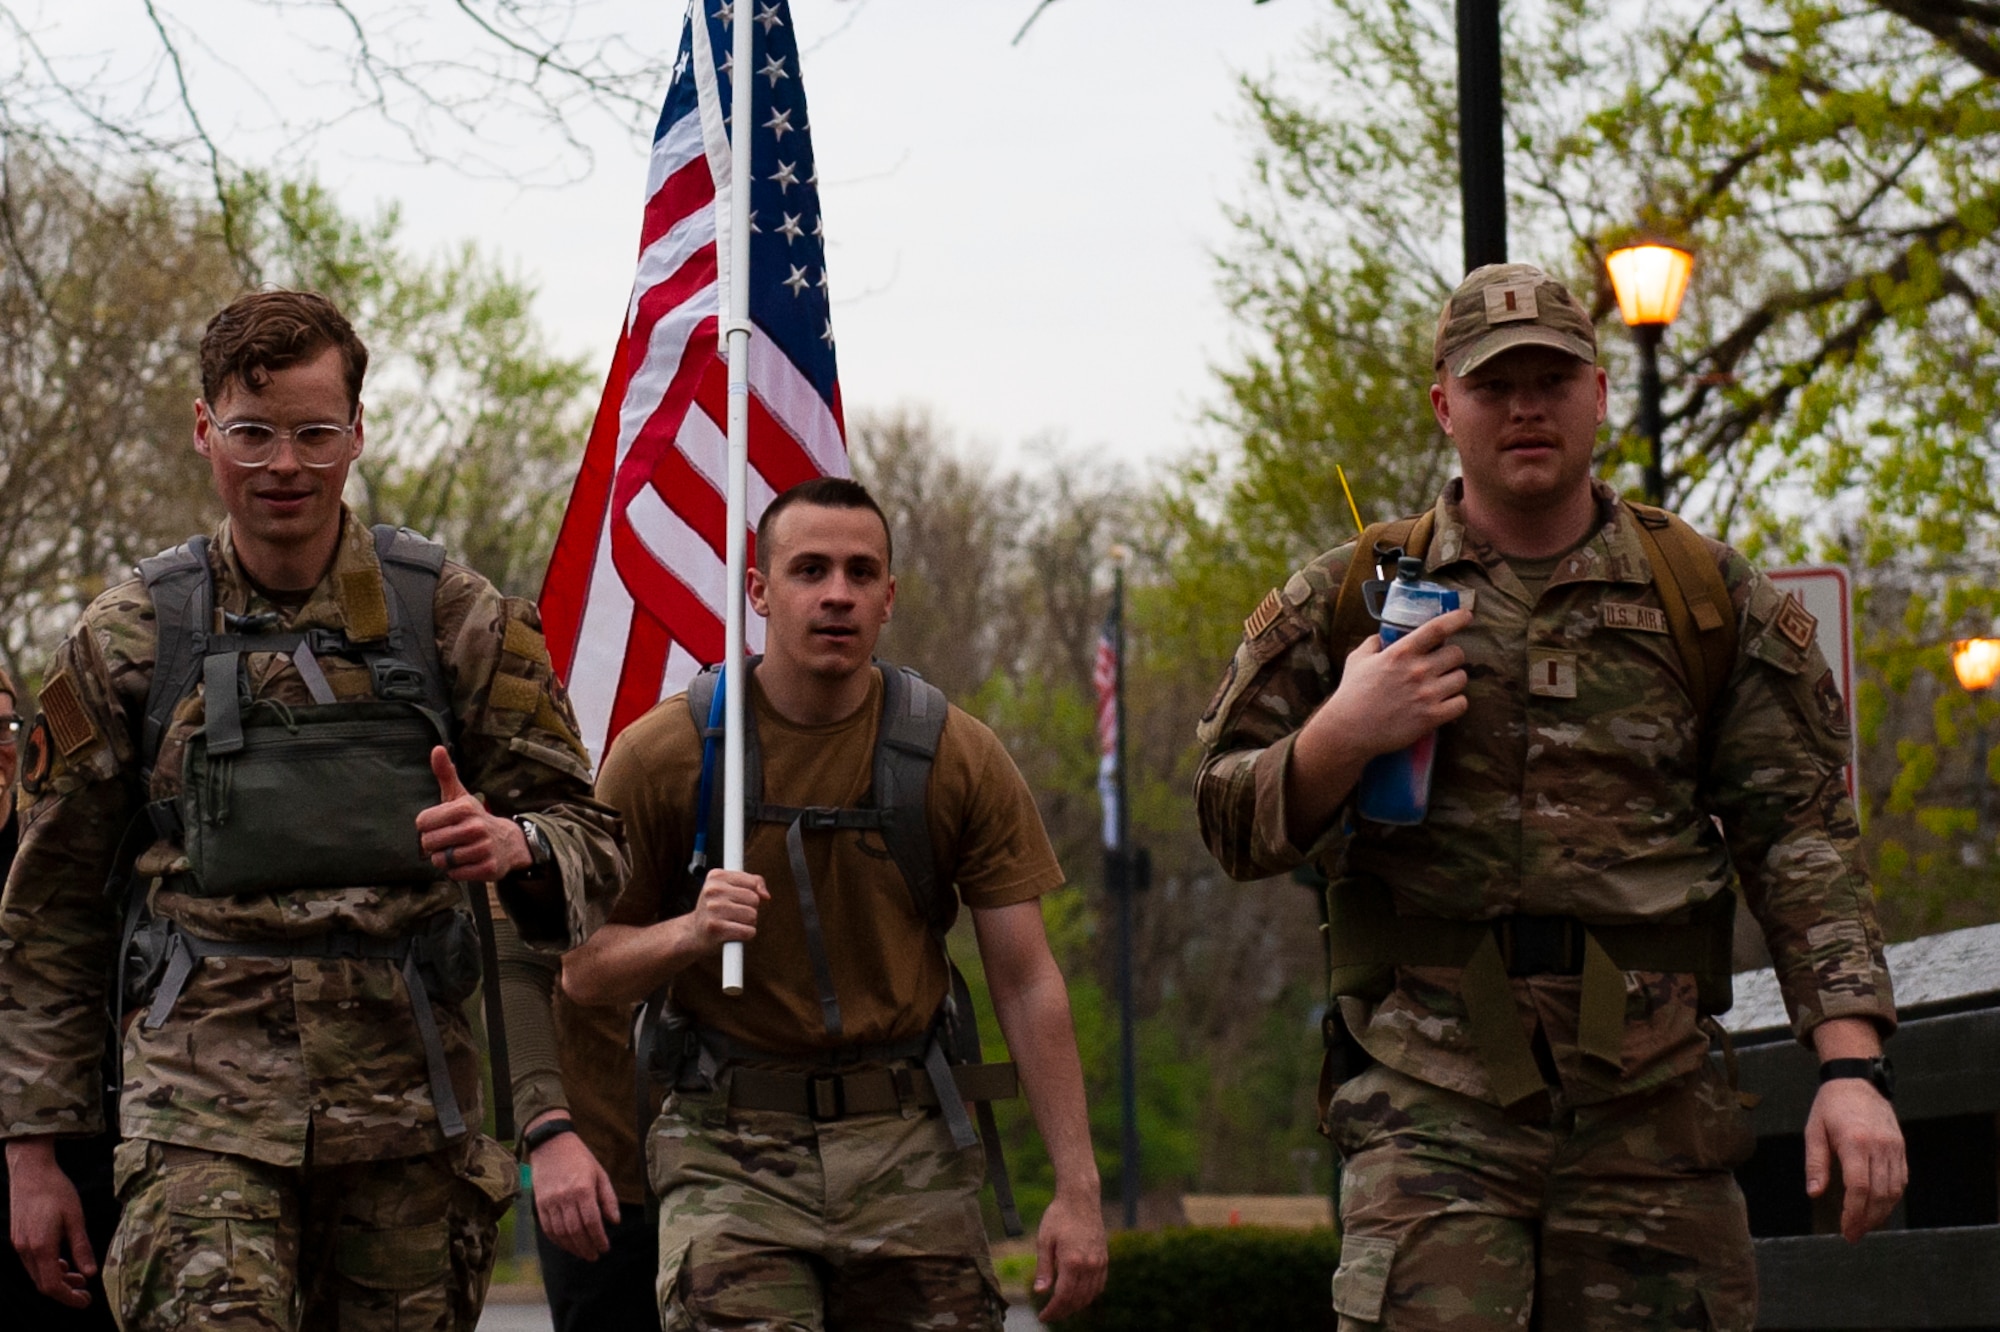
(545,1131)
(1877,1072)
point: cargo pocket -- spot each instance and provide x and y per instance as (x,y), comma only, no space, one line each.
(670,1288)
(1729,1311)
(1361,1282)
(398,1258)
(198,1241)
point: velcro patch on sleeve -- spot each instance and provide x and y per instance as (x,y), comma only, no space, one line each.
(69,722)
(363,606)
(1645,619)
(510,693)
(1265,615)
(1795,624)
(525,642)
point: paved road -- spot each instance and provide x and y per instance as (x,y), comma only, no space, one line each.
(535,1318)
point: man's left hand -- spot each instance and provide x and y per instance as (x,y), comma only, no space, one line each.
(1070,1255)
(461,838)
(1853,1124)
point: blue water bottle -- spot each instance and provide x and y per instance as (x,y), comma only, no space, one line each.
(1396,788)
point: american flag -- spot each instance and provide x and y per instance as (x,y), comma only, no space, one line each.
(1104,674)
(635,597)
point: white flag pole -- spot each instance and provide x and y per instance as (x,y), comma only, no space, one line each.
(737,329)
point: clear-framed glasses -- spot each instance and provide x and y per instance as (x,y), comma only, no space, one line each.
(255,443)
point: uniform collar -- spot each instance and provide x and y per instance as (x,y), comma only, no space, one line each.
(1610,554)
(348,597)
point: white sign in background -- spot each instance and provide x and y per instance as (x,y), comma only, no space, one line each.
(1826,593)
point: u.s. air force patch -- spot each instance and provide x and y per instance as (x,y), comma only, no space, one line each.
(1646,619)
(1795,624)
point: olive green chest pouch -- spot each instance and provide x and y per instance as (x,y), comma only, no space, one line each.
(320,796)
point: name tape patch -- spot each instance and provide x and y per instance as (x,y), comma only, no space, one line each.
(1645,619)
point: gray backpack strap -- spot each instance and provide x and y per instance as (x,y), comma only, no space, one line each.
(913,714)
(183,596)
(411,563)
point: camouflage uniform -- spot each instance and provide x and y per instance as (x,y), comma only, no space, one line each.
(275,1080)
(1578,783)
(772,1221)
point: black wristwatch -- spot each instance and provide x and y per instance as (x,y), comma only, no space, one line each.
(540,855)
(1877,1071)
(542,1132)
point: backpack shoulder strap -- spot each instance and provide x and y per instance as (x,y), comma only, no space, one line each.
(906,745)
(411,563)
(1351,620)
(701,701)
(1699,615)
(183,593)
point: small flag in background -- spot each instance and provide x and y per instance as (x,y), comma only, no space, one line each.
(635,597)
(1104,674)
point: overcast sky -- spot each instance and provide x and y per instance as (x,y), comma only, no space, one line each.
(1020,235)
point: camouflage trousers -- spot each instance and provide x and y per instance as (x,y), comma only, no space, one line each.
(1616,1216)
(773,1222)
(211,1240)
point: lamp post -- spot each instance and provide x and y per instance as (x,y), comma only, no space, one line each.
(1650,280)
(1976,662)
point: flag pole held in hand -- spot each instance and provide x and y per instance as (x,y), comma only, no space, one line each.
(737,323)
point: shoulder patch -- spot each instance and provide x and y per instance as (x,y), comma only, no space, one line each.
(510,693)
(1265,615)
(525,642)
(69,725)
(363,606)
(1795,624)
(1646,619)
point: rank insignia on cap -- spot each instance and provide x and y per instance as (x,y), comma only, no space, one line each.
(1265,615)
(1795,624)
(62,707)
(1515,301)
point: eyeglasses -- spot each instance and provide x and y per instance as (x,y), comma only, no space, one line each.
(255,443)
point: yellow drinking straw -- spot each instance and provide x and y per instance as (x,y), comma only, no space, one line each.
(1342,473)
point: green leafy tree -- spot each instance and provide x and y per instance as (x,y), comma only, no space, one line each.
(1830,387)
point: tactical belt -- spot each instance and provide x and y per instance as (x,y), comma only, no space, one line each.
(827,1093)
(186,949)
(1367,939)
(829,1096)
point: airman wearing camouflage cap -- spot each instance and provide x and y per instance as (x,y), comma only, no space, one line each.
(1529,973)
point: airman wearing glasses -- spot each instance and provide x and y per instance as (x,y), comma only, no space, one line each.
(377,728)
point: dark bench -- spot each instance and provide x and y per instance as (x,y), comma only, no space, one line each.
(1937,1262)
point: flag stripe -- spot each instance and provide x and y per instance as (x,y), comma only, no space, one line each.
(637,591)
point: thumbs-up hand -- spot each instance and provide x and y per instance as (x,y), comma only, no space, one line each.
(461,838)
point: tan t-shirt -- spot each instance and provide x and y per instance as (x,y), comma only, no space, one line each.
(888,971)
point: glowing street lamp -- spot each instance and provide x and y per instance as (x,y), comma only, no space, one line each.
(1976,662)
(1650,279)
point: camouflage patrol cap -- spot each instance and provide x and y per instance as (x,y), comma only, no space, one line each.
(1502,306)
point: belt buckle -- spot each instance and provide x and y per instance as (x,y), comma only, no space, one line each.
(826,1097)
(343,944)
(1540,946)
